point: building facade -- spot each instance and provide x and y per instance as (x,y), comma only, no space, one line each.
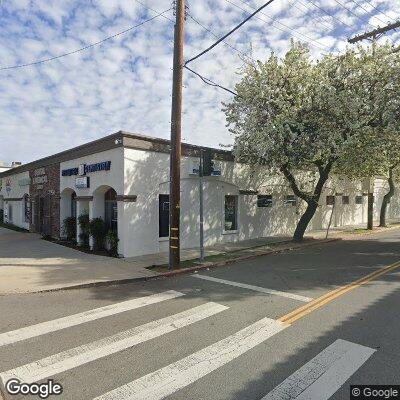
(124,179)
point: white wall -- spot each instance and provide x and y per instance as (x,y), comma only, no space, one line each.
(147,174)
(18,188)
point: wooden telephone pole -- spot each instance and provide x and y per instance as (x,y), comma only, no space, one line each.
(176,134)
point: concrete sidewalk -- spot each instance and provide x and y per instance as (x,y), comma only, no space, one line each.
(30,264)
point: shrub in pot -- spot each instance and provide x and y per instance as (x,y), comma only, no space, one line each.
(97,229)
(69,228)
(112,242)
(83,221)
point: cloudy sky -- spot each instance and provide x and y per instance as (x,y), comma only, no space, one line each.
(125,83)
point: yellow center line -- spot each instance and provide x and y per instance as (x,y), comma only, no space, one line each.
(328,297)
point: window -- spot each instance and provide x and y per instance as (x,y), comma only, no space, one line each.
(290,199)
(264,200)
(345,200)
(231,203)
(330,200)
(163,215)
(359,199)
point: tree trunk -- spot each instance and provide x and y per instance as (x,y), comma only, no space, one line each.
(311,200)
(386,199)
(370,212)
(305,220)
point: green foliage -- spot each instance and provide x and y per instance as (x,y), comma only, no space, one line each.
(97,229)
(112,240)
(295,115)
(69,228)
(83,221)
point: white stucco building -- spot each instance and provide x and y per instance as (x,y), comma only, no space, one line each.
(124,179)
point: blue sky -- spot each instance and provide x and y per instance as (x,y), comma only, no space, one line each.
(126,82)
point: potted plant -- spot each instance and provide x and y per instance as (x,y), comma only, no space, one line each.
(97,230)
(83,221)
(69,228)
(112,243)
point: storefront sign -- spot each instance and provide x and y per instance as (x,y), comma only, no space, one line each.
(82,182)
(83,169)
(39,178)
(39,171)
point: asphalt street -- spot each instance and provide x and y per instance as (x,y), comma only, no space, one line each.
(220,334)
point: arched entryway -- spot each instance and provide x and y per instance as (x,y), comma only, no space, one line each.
(105,206)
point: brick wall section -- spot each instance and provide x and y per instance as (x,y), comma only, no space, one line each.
(51,188)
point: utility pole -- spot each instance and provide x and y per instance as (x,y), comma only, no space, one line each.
(201,198)
(375,33)
(176,134)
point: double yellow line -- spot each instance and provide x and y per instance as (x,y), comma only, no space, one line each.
(328,297)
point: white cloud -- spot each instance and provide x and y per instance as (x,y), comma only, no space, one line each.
(126,83)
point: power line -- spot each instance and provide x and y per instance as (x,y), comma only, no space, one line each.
(85,47)
(330,15)
(368,12)
(376,8)
(155,11)
(309,39)
(352,12)
(320,19)
(229,33)
(216,36)
(209,81)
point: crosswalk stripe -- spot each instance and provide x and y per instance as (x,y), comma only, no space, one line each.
(77,356)
(165,381)
(85,316)
(324,375)
(254,288)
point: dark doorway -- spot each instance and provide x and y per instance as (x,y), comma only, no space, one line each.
(73,204)
(163,215)
(111,210)
(46,215)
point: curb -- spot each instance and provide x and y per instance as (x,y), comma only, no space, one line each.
(185,270)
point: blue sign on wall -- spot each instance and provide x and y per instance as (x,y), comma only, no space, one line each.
(85,168)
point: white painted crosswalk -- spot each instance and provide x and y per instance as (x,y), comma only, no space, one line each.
(324,375)
(77,356)
(164,382)
(86,316)
(319,379)
(255,288)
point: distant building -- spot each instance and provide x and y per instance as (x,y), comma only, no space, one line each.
(4,167)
